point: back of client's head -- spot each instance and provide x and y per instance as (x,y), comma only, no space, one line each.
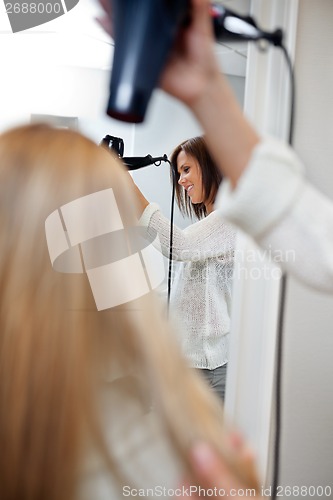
(60,358)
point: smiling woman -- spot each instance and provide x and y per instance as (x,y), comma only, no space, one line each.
(197,177)
(201,291)
(190,177)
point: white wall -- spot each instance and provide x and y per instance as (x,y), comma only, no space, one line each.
(307,433)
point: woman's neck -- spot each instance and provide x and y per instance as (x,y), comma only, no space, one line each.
(209,208)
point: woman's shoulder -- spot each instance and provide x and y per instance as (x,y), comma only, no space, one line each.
(216,220)
(217,233)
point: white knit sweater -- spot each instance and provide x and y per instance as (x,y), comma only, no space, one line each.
(201,286)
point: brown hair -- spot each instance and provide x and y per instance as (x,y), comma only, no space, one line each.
(211,176)
(60,359)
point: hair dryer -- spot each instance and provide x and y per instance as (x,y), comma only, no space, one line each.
(144,31)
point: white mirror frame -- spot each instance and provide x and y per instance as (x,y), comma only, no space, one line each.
(250,385)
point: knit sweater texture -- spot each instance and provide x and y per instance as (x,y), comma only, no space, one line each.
(201,286)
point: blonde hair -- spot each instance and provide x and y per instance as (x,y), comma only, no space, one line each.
(56,349)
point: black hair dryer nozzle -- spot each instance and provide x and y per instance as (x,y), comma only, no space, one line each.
(144,31)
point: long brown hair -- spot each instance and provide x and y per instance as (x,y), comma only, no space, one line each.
(211,176)
(59,356)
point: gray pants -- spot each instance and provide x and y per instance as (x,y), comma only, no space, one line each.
(216,379)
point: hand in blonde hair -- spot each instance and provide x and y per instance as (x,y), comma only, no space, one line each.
(213,473)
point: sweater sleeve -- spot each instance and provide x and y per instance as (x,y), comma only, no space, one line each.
(208,238)
(284,214)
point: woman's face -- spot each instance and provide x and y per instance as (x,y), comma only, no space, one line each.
(190,177)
